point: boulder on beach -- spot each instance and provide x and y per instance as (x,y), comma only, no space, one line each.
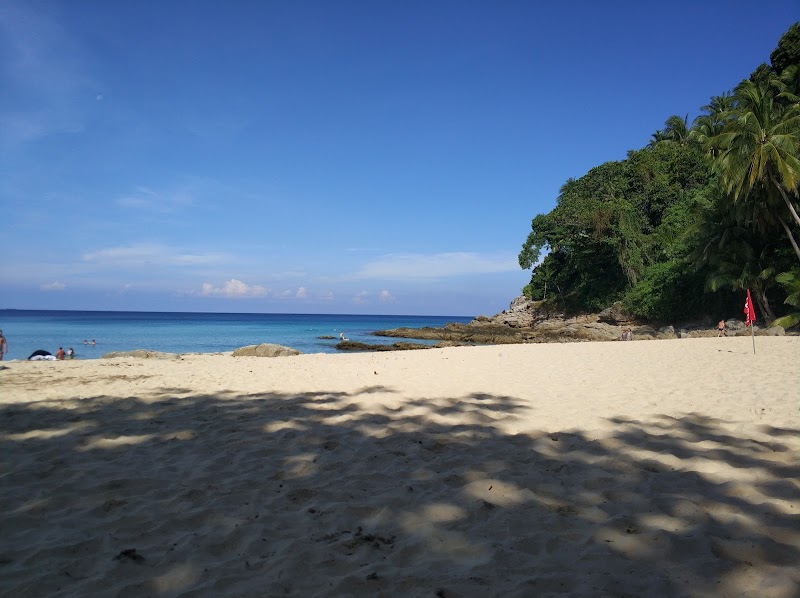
(265,350)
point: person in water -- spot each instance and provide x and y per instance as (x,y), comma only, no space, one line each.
(70,353)
(60,353)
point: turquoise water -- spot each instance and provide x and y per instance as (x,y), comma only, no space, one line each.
(27,331)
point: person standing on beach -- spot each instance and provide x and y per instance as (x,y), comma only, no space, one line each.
(721,328)
(3,345)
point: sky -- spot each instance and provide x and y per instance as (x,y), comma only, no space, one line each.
(326,157)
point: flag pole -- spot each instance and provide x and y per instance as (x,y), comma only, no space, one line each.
(750,318)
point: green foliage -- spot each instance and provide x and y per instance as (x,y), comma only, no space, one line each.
(762,75)
(788,51)
(654,297)
(676,130)
(707,127)
(674,291)
(610,225)
(527,291)
(759,158)
(791,282)
(679,228)
(735,256)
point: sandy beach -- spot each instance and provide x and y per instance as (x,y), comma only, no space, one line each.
(663,468)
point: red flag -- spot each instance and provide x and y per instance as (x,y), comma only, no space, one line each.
(749,312)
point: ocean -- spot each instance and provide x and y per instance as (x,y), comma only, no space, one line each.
(175,332)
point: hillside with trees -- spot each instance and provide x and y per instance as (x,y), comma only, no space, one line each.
(681,227)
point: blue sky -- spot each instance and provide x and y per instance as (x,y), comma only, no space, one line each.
(326,157)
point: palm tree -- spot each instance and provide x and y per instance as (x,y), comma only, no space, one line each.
(736,257)
(707,127)
(719,105)
(761,155)
(791,282)
(657,137)
(676,130)
(788,85)
(740,268)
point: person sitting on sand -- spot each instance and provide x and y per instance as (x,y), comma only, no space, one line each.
(721,328)
(60,353)
(627,335)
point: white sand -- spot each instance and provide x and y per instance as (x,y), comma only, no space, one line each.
(665,468)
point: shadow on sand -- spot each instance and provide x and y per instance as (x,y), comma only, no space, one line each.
(303,495)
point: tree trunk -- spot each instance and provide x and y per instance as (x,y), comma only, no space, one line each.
(791,237)
(787,201)
(763,303)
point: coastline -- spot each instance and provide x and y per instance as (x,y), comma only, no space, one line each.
(588,468)
(189,332)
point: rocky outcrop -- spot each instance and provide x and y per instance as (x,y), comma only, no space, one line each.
(472,333)
(527,321)
(616,315)
(265,350)
(358,346)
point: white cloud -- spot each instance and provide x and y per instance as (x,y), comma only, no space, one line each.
(365,297)
(439,265)
(233,289)
(361,297)
(144,198)
(146,254)
(53,286)
(302,293)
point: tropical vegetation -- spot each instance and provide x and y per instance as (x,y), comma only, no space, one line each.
(680,228)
